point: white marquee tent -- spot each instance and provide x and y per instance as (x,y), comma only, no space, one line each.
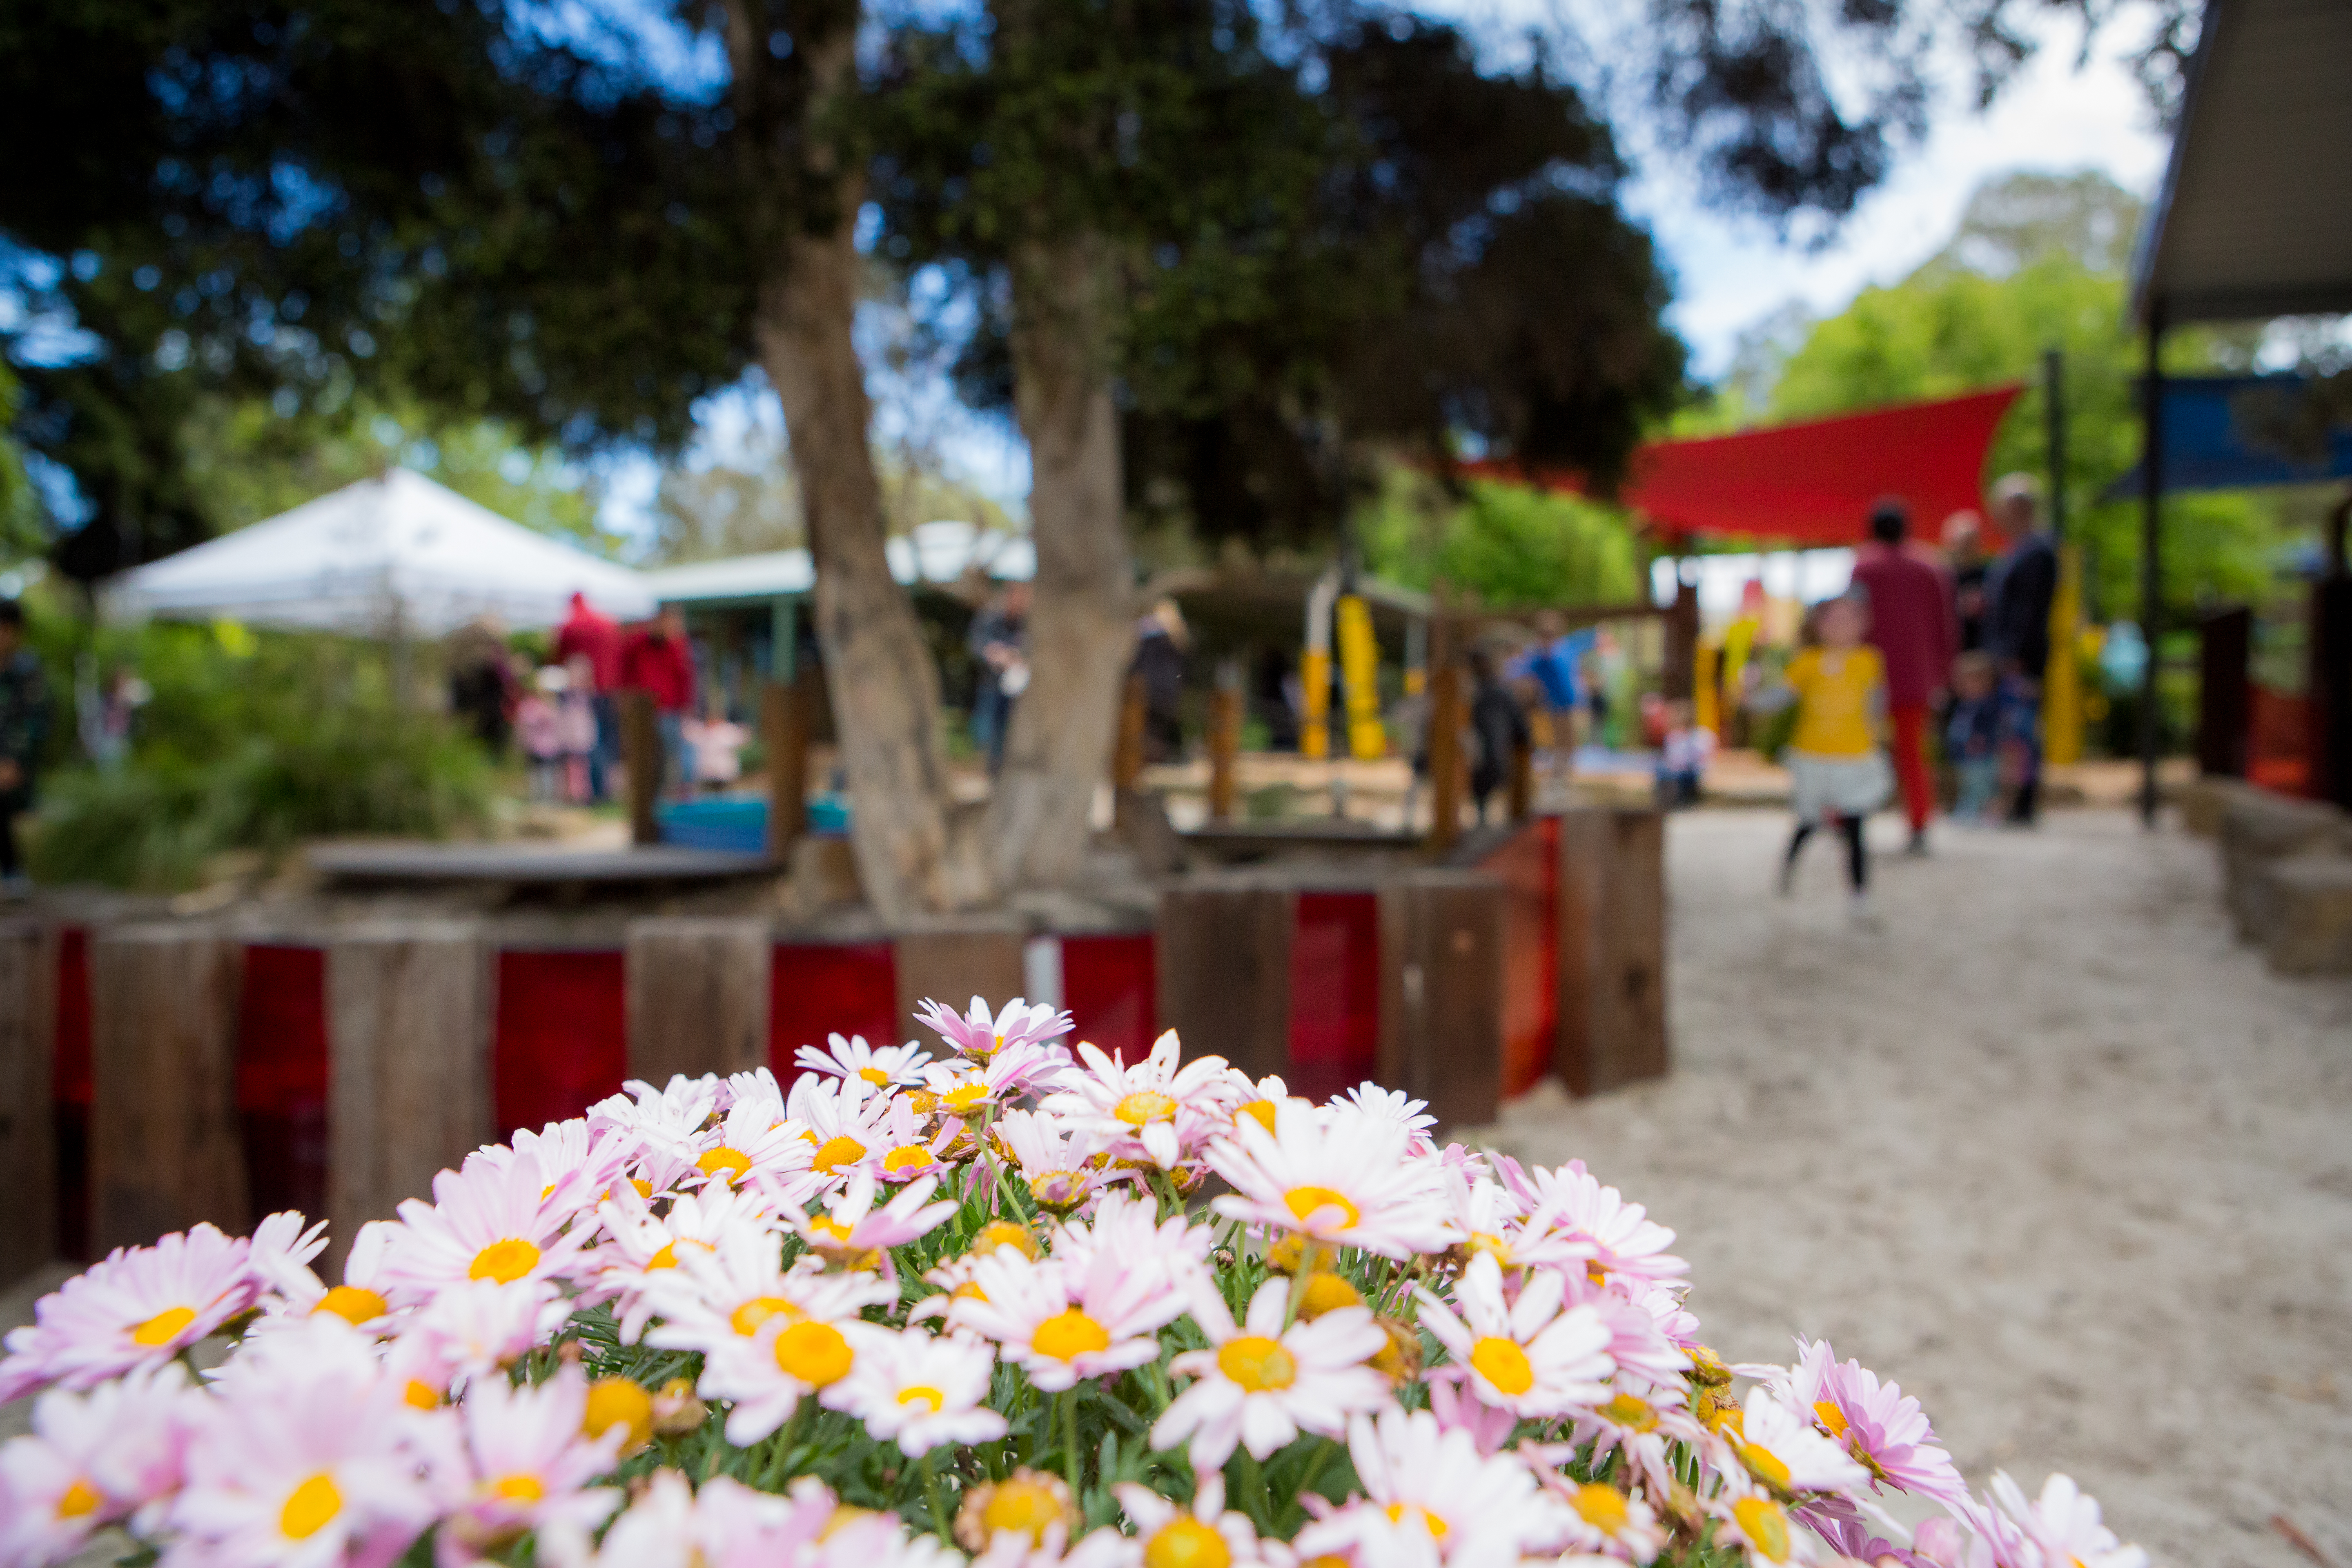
(398,554)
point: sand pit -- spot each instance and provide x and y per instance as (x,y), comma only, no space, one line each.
(2047,1148)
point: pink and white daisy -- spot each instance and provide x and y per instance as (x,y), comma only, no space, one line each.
(906,1151)
(1056,1159)
(140,1306)
(806,1349)
(969,1085)
(94,1458)
(1570,1202)
(1457,1408)
(479,1326)
(1411,1116)
(855,1234)
(641,1244)
(1604,1520)
(578,1162)
(1431,1496)
(1160,1111)
(2064,1525)
(1528,1356)
(923,1392)
(1260,1384)
(1343,1180)
(884,1066)
(980,1032)
(1103,1548)
(1127,1229)
(500,1223)
(1788,1453)
(1750,1519)
(1883,1427)
(671,1114)
(730,1291)
(359,1300)
(1060,1324)
(1207,1532)
(756,1143)
(843,1118)
(525,1465)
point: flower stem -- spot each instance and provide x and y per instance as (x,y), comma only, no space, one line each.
(931,1492)
(1070,1466)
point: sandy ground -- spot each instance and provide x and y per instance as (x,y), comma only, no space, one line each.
(2048,1149)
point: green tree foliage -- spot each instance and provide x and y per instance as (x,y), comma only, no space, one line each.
(1512,546)
(2037,263)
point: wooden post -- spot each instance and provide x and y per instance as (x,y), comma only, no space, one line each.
(408,1064)
(1223,971)
(1612,970)
(1442,992)
(952,960)
(1126,756)
(697,992)
(1447,713)
(28,1156)
(784,735)
(641,763)
(1224,741)
(1523,780)
(163,1147)
(2225,641)
(1679,679)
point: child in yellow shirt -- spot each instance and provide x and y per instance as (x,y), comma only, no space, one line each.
(1836,770)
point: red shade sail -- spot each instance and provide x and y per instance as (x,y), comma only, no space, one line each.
(1814,482)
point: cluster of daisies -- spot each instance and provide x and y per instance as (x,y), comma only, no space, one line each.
(917,1313)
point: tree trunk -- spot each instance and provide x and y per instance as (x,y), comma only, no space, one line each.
(1082,614)
(886,691)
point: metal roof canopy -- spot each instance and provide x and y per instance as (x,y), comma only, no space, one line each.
(2252,220)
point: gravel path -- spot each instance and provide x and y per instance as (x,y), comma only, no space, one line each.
(2047,1148)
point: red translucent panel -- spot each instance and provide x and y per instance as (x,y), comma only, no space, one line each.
(1527,865)
(281,1078)
(829,988)
(1109,985)
(1335,1003)
(559,1043)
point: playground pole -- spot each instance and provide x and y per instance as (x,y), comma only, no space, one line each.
(2151,582)
(2061,697)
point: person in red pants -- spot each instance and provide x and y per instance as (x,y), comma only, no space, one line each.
(1915,631)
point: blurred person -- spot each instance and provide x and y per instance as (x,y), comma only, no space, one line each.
(1275,693)
(1964,558)
(24,731)
(2017,626)
(716,743)
(483,691)
(539,726)
(105,709)
(588,637)
(1161,639)
(1682,757)
(999,640)
(1972,736)
(1836,770)
(1498,729)
(657,660)
(576,729)
(1913,627)
(1556,665)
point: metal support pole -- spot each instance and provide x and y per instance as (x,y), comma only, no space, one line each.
(2054,399)
(2151,578)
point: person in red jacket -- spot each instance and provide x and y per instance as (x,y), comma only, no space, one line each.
(1913,627)
(595,640)
(657,660)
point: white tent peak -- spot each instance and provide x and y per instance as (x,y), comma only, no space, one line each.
(394,553)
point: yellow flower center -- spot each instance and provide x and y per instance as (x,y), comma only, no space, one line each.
(1502,1364)
(1767,1465)
(1633,1415)
(733,1162)
(352,1304)
(420,1394)
(1320,1293)
(874,1075)
(79,1502)
(999,1233)
(1257,1363)
(747,1318)
(1258,1111)
(620,1402)
(964,1096)
(1602,1506)
(815,1352)
(837,1152)
(1305,1203)
(164,1327)
(505,1261)
(922,1393)
(309,1507)
(1766,1527)
(1184,1543)
(1066,1336)
(907,1157)
(830,1229)
(1832,1418)
(1144,1105)
(1023,1506)
(1595,1273)
(519,1488)
(644,1188)
(1493,1246)
(1401,1512)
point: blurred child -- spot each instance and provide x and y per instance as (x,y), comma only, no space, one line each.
(716,746)
(1682,757)
(1972,737)
(1498,726)
(576,729)
(1836,770)
(541,730)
